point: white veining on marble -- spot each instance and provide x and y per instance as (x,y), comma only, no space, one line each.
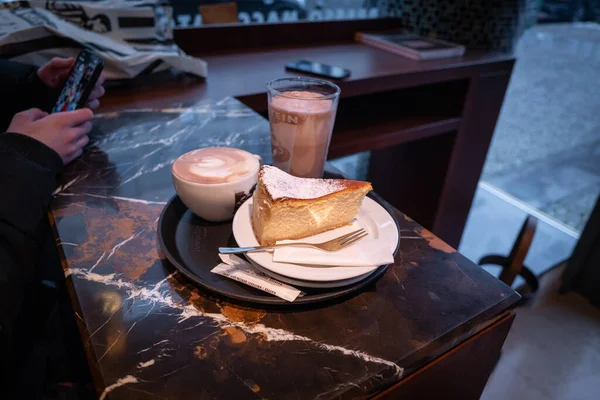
(278,335)
(154,294)
(164,352)
(134,176)
(119,245)
(337,390)
(238,113)
(149,145)
(152,142)
(68,244)
(111,346)
(129,199)
(120,382)
(172,110)
(162,165)
(98,262)
(145,364)
(105,322)
(394,273)
(138,200)
(154,345)
(146,155)
(67,185)
(433,296)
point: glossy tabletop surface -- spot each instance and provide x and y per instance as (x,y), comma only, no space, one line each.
(150,334)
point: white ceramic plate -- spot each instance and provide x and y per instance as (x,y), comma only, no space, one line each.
(372,217)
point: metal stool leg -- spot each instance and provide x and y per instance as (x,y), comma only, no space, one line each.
(512,266)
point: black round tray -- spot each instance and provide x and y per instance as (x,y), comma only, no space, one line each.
(191,245)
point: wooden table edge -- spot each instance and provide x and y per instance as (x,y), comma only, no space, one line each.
(506,317)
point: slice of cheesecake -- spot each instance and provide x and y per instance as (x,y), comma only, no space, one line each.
(287,207)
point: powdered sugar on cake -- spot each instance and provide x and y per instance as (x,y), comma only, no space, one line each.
(282,185)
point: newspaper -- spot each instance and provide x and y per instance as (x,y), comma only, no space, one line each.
(133,38)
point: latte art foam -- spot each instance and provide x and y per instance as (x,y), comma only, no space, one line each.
(214,165)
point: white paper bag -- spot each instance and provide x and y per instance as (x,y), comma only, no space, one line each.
(34,35)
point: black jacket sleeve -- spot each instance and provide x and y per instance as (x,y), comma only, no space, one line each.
(21,89)
(28,171)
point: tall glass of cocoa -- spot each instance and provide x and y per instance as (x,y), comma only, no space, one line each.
(301,115)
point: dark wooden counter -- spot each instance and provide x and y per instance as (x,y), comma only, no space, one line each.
(246,73)
(148,333)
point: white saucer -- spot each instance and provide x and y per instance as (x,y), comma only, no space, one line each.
(310,284)
(372,217)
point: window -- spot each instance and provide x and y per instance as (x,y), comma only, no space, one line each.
(186,12)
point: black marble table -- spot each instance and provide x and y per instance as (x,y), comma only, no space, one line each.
(150,334)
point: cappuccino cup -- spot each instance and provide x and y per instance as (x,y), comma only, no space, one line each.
(211,181)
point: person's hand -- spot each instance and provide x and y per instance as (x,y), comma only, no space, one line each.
(96,93)
(56,71)
(65,132)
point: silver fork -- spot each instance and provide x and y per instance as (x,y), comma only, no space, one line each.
(331,245)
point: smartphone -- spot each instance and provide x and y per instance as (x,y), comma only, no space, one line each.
(81,81)
(315,68)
